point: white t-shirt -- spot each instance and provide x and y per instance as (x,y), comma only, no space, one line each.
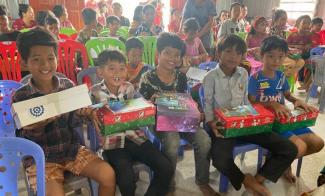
(228,27)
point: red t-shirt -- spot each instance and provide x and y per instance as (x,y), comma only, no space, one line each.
(19,24)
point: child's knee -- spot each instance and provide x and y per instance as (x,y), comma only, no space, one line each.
(302,148)
(107,176)
(54,188)
(318,144)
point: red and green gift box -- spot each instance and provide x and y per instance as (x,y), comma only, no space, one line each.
(299,119)
(245,120)
(130,114)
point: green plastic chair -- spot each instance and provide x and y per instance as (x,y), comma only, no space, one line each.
(97,45)
(123,32)
(67,31)
(24,30)
(242,35)
(291,81)
(149,49)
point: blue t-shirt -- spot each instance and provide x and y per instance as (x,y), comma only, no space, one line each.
(268,89)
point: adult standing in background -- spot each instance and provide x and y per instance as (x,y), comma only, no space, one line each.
(203,11)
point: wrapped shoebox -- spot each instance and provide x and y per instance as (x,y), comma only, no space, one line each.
(41,108)
(245,120)
(299,119)
(177,112)
(127,115)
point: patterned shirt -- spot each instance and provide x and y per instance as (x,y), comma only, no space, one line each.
(124,21)
(100,93)
(58,139)
(19,24)
(144,30)
(278,31)
(151,84)
(224,91)
(83,36)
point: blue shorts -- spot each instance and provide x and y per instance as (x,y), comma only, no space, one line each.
(288,134)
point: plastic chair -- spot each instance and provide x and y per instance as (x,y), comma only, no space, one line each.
(242,35)
(12,151)
(7,126)
(96,46)
(9,61)
(69,52)
(149,49)
(322,36)
(89,72)
(123,32)
(67,31)
(24,30)
(71,37)
(208,65)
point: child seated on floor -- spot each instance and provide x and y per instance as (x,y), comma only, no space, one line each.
(270,87)
(135,66)
(316,27)
(195,52)
(114,87)
(56,136)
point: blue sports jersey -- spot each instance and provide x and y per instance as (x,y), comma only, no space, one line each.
(268,89)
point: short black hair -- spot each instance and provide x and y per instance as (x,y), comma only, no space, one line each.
(137,15)
(317,20)
(58,10)
(41,17)
(274,43)
(277,14)
(191,24)
(111,19)
(88,15)
(133,42)
(301,18)
(23,8)
(3,10)
(232,41)
(147,7)
(116,4)
(167,39)
(234,4)
(35,37)
(51,19)
(110,55)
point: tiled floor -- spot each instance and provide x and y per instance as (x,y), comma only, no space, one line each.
(185,172)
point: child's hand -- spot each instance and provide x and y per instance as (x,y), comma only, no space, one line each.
(202,117)
(304,106)
(153,97)
(281,110)
(216,126)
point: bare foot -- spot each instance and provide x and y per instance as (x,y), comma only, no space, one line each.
(253,186)
(289,176)
(208,190)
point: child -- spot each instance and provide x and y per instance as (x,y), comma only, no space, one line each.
(165,78)
(113,24)
(316,27)
(279,21)
(226,87)
(118,11)
(147,28)
(230,26)
(274,92)
(175,21)
(137,19)
(195,51)
(89,17)
(56,136)
(61,13)
(302,42)
(224,15)
(102,6)
(243,24)
(52,24)
(135,66)
(137,148)
(257,33)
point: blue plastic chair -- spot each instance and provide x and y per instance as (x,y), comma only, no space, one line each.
(208,65)
(12,151)
(7,88)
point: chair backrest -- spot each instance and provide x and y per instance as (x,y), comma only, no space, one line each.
(69,55)
(9,61)
(89,72)
(67,31)
(123,32)
(149,49)
(71,37)
(97,45)
(318,63)
(317,51)
(12,151)
(7,88)
(242,35)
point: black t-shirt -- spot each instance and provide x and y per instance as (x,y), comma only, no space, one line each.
(9,36)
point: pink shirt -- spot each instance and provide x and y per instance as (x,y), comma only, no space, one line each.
(255,41)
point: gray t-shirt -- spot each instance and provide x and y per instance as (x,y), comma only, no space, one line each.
(228,27)
(202,14)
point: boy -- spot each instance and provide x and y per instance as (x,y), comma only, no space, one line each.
(316,27)
(148,28)
(113,24)
(117,11)
(230,26)
(137,148)
(226,87)
(135,66)
(165,78)
(63,152)
(270,87)
(89,16)
(52,24)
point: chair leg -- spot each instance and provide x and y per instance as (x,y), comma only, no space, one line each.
(322,100)
(260,152)
(299,167)
(223,184)
(93,187)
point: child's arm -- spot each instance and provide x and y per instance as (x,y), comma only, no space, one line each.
(299,103)
(146,90)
